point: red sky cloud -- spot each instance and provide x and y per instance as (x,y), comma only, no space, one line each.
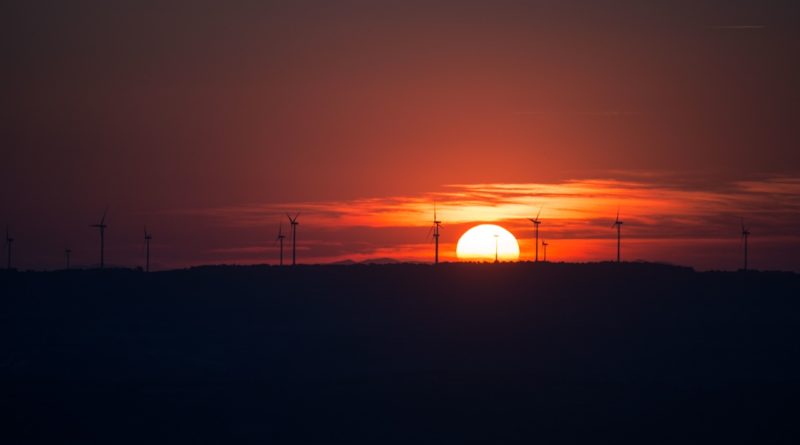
(667,222)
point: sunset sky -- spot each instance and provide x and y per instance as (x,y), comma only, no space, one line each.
(208,121)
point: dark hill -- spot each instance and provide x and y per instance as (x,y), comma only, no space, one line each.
(509,353)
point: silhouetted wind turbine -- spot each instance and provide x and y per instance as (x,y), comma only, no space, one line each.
(745,236)
(294,223)
(435,229)
(536,223)
(147,238)
(102,226)
(67,253)
(544,245)
(618,224)
(279,239)
(9,241)
(496,236)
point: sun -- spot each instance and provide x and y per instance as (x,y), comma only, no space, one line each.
(483,242)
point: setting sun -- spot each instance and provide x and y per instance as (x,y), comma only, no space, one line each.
(487,242)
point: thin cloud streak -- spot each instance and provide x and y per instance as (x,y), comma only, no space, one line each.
(739,27)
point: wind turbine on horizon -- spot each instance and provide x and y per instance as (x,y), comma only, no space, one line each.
(294,223)
(496,237)
(618,224)
(536,221)
(102,226)
(435,229)
(279,239)
(67,253)
(147,238)
(745,236)
(9,241)
(544,245)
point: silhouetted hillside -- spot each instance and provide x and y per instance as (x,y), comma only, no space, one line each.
(399,353)
(367,261)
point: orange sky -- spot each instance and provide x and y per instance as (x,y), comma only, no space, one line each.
(664,220)
(669,223)
(205,120)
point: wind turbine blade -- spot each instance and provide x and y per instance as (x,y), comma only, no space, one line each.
(430,232)
(539,213)
(103,221)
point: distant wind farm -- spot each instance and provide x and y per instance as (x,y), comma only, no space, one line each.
(479,243)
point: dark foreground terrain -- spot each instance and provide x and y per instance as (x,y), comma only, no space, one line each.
(510,353)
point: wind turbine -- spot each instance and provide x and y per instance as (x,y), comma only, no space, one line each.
(435,229)
(545,244)
(147,238)
(294,223)
(618,224)
(536,223)
(9,240)
(280,238)
(745,235)
(67,253)
(496,236)
(102,226)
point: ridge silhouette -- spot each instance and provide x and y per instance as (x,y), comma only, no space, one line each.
(401,353)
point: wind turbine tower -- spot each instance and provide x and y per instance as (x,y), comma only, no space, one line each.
(745,236)
(102,226)
(536,221)
(618,224)
(279,239)
(496,236)
(544,245)
(147,238)
(9,241)
(435,228)
(67,253)
(294,223)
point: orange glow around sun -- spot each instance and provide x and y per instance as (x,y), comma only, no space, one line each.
(487,242)
(661,220)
